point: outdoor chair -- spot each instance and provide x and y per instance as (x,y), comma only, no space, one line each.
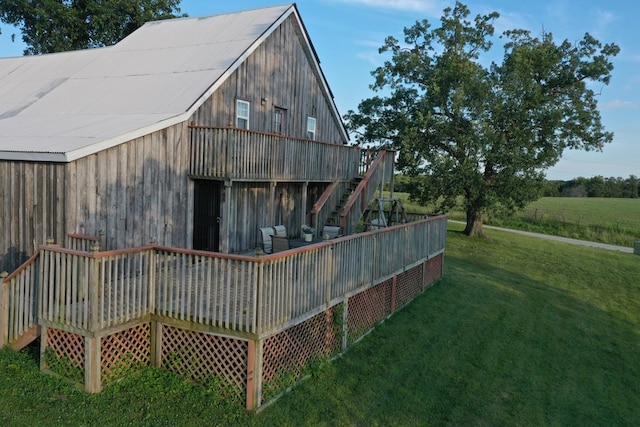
(267,233)
(331,231)
(267,243)
(280,230)
(280,243)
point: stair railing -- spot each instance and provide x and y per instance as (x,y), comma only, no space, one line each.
(380,171)
(18,309)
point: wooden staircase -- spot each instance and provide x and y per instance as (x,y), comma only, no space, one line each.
(334,216)
(343,203)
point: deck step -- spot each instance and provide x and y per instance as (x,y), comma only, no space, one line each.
(29,336)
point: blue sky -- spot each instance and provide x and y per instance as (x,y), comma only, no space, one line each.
(348,33)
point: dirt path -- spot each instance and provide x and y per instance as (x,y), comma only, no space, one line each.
(560,239)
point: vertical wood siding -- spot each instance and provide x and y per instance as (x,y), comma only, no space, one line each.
(252,208)
(133,193)
(279,70)
(31,201)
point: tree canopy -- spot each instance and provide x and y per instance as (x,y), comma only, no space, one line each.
(486,133)
(60,25)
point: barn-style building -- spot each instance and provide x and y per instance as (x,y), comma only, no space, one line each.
(136,185)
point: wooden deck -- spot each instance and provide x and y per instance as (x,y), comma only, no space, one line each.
(93,293)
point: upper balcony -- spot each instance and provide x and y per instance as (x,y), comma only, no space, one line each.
(238,154)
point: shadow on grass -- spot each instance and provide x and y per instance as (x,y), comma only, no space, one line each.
(483,346)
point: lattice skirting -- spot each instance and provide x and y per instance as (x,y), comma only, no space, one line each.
(64,353)
(367,309)
(287,356)
(279,360)
(119,352)
(205,357)
(123,351)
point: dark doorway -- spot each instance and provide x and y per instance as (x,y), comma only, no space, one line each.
(206,215)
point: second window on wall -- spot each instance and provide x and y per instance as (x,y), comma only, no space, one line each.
(242,114)
(311,127)
(279,115)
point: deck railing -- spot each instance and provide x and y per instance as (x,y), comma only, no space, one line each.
(82,242)
(221,152)
(89,292)
(207,288)
(18,302)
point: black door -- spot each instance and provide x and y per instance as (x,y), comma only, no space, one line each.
(206,215)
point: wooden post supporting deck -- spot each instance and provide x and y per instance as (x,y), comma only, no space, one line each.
(394,287)
(254,374)
(156,343)
(92,354)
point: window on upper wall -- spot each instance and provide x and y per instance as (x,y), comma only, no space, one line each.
(278,120)
(242,114)
(311,128)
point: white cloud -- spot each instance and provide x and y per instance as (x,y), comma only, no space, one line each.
(370,57)
(428,6)
(618,103)
(509,21)
(605,18)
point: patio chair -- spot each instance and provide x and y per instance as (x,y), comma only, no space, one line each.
(267,243)
(331,231)
(280,230)
(280,243)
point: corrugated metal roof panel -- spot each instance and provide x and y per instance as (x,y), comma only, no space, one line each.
(68,102)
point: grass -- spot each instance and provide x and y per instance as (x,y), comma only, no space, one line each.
(605,220)
(520,331)
(613,221)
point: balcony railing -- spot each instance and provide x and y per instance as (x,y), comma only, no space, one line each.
(230,153)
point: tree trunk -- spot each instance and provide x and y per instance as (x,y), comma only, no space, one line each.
(474,224)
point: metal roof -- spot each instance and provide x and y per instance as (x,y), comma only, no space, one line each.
(63,106)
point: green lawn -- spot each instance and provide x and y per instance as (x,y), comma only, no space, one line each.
(613,221)
(605,220)
(520,331)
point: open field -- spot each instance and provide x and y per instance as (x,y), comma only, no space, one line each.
(520,331)
(605,220)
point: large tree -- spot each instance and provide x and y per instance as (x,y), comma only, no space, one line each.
(487,133)
(59,25)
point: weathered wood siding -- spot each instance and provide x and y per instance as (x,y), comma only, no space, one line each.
(256,205)
(31,202)
(281,71)
(248,208)
(133,193)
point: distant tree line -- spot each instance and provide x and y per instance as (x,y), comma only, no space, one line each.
(597,186)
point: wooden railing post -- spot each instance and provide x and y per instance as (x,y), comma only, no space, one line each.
(94,290)
(151,282)
(4,310)
(259,284)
